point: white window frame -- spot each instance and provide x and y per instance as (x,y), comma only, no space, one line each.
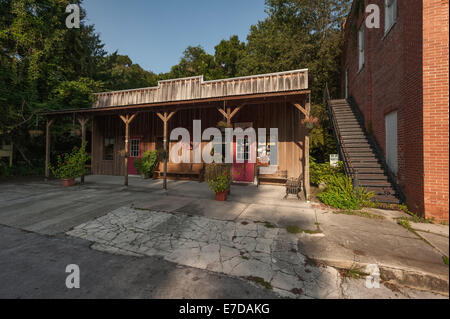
(361,47)
(135,151)
(390,15)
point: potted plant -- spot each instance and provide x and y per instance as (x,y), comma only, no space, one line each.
(310,122)
(71,166)
(147,163)
(219,180)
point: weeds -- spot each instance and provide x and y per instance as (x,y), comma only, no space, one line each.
(261,282)
(359,213)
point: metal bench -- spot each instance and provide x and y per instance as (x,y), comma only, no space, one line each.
(294,186)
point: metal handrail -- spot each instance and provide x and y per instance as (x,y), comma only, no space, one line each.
(349,169)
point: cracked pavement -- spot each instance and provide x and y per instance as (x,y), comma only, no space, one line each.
(241,248)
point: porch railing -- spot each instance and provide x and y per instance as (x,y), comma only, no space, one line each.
(349,169)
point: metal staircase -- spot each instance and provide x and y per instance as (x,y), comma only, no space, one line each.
(362,161)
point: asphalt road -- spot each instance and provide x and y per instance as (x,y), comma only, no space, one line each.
(33,266)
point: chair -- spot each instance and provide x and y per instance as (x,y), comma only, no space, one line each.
(294,186)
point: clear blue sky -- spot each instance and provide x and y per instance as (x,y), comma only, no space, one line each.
(154,33)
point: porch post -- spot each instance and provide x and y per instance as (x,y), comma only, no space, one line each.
(228,114)
(306,112)
(307,178)
(165,118)
(127,120)
(47,147)
(83,121)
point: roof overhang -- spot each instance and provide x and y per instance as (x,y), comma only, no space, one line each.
(263,98)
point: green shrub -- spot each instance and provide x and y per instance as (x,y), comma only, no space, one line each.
(71,165)
(20,169)
(218,177)
(339,193)
(147,163)
(323,171)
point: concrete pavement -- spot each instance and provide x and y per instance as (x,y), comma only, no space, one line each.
(338,240)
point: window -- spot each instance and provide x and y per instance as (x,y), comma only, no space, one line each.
(108,149)
(361,47)
(269,145)
(135,148)
(390,14)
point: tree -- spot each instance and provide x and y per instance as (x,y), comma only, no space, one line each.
(195,61)
(227,55)
(301,34)
(118,72)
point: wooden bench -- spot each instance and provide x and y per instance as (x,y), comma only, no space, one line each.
(183,169)
(280,177)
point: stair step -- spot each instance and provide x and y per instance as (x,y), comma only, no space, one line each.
(372,183)
(364,160)
(373,177)
(354,139)
(346,122)
(355,135)
(341,115)
(385,199)
(351,130)
(380,191)
(360,165)
(353,150)
(370,171)
(356,144)
(362,155)
(345,115)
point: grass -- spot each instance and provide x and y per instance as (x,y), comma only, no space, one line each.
(405,223)
(261,282)
(445,259)
(353,273)
(359,213)
(244,257)
(269,225)
(401,207)
(292,229)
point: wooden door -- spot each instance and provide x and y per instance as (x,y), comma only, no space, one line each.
(243,170)
(135,152)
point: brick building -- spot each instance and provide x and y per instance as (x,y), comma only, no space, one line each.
(398,76)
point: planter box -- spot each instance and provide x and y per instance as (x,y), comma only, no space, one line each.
(221,197)
(68,182)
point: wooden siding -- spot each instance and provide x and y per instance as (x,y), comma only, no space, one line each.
(281,115)
(196,88)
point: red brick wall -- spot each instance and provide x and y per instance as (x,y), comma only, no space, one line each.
(436,107)
(392,80)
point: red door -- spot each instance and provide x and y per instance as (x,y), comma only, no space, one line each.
(243,170)
(134,152)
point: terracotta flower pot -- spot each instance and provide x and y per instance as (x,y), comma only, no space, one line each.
(222,196)
(68,182)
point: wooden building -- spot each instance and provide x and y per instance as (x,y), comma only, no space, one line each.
(127,123)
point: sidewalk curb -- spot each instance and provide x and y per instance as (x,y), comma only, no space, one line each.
(403,277)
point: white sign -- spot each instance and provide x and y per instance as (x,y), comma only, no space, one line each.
(334,160)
